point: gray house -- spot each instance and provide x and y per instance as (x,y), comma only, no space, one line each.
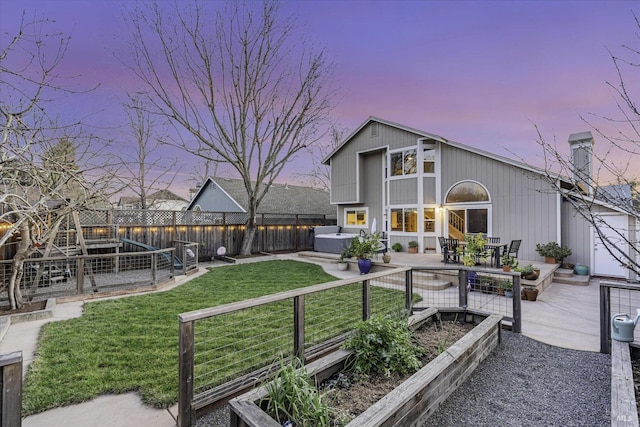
(420,186)
(229,195)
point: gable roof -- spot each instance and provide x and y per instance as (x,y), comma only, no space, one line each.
(443,140)
(281,198)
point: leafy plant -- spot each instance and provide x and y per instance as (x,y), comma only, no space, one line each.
(474,249)
(384,345)
(507,285)
(444,343)
(553,250)
(397,247)
(365,247)
(562,252)
(509,260)
(527,269)
(293,396)
(412,244)
(346,253)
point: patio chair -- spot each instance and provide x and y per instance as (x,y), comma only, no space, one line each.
(450,251)
(489,253)
(514,247)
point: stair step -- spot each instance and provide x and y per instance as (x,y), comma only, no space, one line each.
(572,280)
(563,272)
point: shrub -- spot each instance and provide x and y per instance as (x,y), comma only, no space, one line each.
(292,396)
(397,247)
(412,244)
(384,345)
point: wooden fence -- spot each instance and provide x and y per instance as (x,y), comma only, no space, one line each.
(211,230)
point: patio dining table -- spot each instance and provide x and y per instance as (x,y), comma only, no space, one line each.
(496,253)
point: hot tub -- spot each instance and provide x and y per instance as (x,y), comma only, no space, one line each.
(332,243)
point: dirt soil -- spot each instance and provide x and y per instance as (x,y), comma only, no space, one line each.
(28,307)
(350,398)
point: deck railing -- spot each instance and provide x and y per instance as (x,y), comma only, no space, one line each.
(616,298)
(11,389)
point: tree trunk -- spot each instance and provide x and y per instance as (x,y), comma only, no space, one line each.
(250,231)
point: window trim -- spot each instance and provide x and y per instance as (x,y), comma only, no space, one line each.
(402,151)
(366,217)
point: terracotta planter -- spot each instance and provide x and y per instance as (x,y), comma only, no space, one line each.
(506,268)
(412,250)
(549,260)
(531,293)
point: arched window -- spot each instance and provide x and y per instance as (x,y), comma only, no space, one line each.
(467,192)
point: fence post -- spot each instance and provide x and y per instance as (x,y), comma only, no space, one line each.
(605,316)
(186,413)
(11,393)
(80,276)
(408,293)
(298,327)
(517,305)
(366,300)
(154,266)
(463,277)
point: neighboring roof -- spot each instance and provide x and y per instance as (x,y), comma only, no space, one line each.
(458,145)
(281,198)
(158,195)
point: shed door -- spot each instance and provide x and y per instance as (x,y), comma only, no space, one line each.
(604,263)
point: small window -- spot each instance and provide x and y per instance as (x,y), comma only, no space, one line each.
(404,219)
(430,220)
(355,217)
(429,161)
(374,129)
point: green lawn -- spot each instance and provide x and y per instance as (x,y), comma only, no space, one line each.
(131,344)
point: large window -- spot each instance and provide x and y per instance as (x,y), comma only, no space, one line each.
(404,219)
(430,220)
(355,217)
(403,163)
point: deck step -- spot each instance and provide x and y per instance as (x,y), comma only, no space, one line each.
(564,272)
(571,280)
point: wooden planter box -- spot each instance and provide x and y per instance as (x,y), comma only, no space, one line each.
(408,404)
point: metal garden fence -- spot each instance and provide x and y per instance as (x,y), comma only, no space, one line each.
(616,298)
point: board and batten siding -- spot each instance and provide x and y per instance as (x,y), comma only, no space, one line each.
(429,190)
(576,234)
(344,185)
(519,198)
(403,191)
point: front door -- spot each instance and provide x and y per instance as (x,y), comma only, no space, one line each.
(604,263)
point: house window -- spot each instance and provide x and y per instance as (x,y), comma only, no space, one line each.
(429,161)
(430,220)
(355,217)
(466,192)
(404,219)
(403,163)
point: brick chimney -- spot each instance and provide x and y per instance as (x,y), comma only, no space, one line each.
(581,145)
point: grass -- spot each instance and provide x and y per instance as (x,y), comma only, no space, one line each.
(131,344)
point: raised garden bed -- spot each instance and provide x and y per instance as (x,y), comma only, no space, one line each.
(416,398)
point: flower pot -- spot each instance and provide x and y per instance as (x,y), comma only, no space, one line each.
(508,293)
(581,270)
(549,260)
(531,276)
(342,266)
(531,293)
(364,265)
(506,268)
(386,258)
(412,250)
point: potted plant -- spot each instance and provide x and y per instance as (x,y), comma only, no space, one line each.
(528,272)
(413,247)
(530,293)
(364,248)
(474,250)
(342,262)
(507,287)
(508,262)
(396,247)
(561,253)
(386,258)
(550,251)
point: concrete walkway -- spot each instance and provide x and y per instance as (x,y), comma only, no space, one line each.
(564,315)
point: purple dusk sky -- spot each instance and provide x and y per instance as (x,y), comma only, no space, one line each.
(482,73)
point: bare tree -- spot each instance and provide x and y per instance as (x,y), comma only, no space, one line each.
(242,84)
(617,165)
(146,169)
(45,167)
(320,175)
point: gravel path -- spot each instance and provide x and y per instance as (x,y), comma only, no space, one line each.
(522,383)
